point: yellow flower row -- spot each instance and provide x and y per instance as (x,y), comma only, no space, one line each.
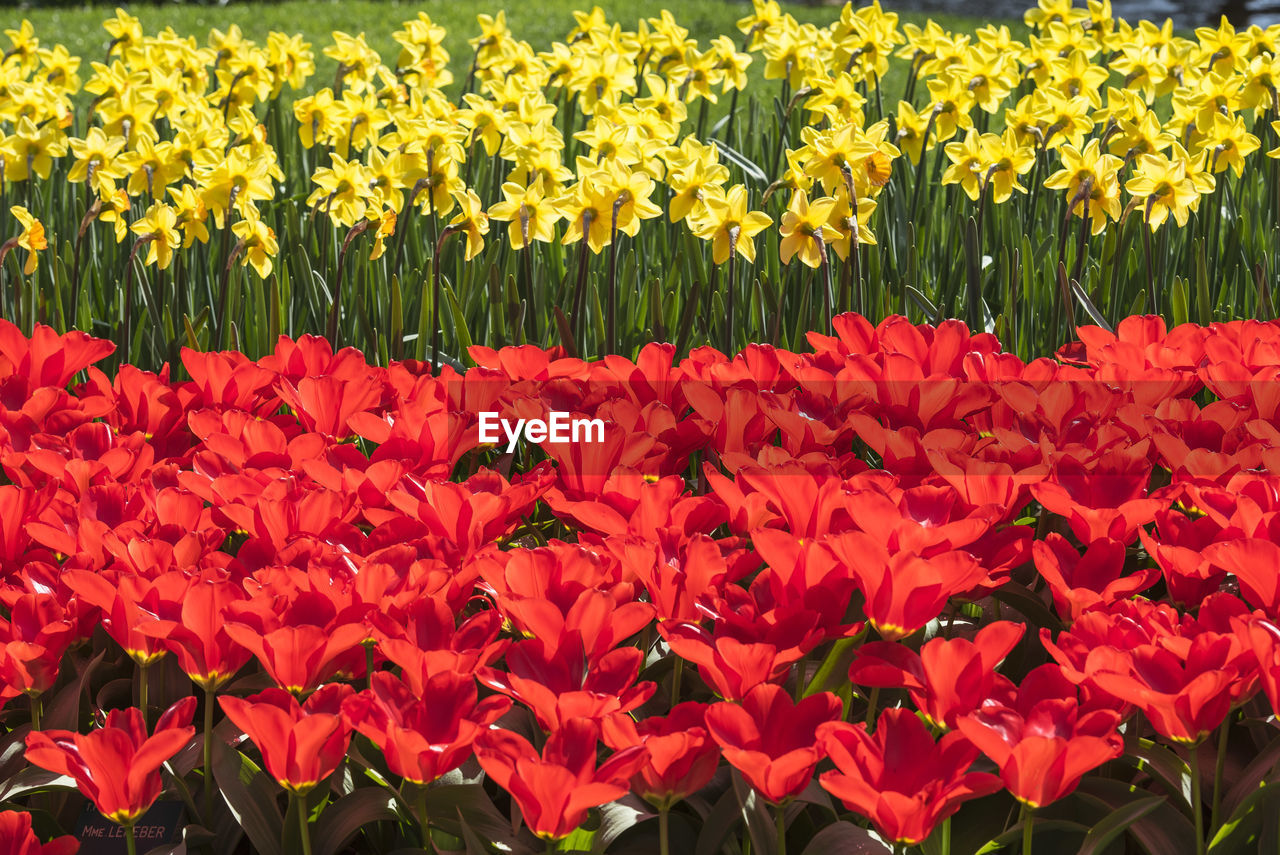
(177,125)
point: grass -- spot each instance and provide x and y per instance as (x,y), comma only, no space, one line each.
(79,29)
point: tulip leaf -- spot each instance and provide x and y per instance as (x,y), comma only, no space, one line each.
(342,820)
(1116,822)
(1014,834)
(474,845)
(13,748)
(448,805)
(64,712)
(1162,830)
(756,814)
(1255,817)
(1249,780)
(1163,765)
(617,817)
(250,795)
(719,820)
(845,838)
(1031,606)
(33,779)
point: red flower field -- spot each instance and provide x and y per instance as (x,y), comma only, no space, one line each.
(901,591)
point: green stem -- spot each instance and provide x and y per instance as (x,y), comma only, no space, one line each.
(677,673)
(208,757)
(143,682)
(1218,769)
(1028,829)
(780,815)
(946,836)
(871,707)
(37,709)
(664,841)
(129,840)
(551,846)
(424,818)
(301,805)
(1193,760)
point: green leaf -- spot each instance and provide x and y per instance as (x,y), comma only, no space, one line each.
(1031,606)
(63,713)
(922,301)
(250,795)
(1178,299)
(755,173)
(1253,776)
(33,779)
(1116,822)
(459,321)
(617,817)
(1165,766)
(340,821)
(1159,832)
(450,805)
(1014,834)
(1242,831)
(845,838)
(1094,313)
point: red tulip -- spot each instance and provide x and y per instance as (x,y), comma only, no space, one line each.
(682,756)
(301,744)
(17,838)
(425,733)
(297,657)
(898,777)
(904,590)
(558,683)
(1183,672)
(1043,743)
(1102,497)
(1185,697)
(199,636)
(1180,551)
(1262,636)
(47,358)
(948,677)
(33,641)
(117,766)
(1254,562)
(771,740)
(128,602)
(731,667)
(1079,581)
(556,788)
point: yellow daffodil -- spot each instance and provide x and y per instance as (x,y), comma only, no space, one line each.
(257,242)
(531,216)
(729,226)
(1162,188)
(1091,181)
(805,229)
(31,238)
(342,191)
(160,226)
(472,221)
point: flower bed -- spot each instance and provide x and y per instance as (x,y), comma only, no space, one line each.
(903,590)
